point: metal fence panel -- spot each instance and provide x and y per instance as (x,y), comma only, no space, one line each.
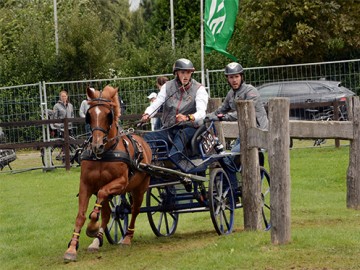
(28,102)
(20,104)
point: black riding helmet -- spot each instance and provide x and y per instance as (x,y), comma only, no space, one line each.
(233,68)
(183,64)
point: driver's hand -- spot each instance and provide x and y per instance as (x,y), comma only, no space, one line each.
(220,116)
(211,117)
(145,117)
(181,118)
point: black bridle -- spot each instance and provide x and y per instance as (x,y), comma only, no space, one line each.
(101,102)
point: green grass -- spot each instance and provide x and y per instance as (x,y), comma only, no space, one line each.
(38,211)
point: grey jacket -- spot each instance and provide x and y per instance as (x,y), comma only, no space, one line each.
(245,92)
(61,111)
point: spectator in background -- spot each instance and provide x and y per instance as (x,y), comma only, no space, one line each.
(154,120)
(160,81)
(82,112)
(63,109)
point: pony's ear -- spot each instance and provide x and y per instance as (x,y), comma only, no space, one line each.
(112,92)
(90,92)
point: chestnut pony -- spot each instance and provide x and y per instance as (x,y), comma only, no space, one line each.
(109,166)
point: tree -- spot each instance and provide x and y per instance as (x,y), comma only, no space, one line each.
(87,49)
(26,42)
(296,31)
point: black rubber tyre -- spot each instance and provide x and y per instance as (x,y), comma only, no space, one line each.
(119,219)
(159,202)
(265,195)
(58,155)
(221,202)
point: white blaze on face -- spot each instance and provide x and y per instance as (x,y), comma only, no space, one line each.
(97,112)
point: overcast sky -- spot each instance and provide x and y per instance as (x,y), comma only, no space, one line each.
(134,4)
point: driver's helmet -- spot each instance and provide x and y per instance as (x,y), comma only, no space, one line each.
(233,68)
(183,64)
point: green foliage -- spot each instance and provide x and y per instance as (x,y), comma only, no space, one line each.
(298,31)
(86,49)
(26,46)
(100,38)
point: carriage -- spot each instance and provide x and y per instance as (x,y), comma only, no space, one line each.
(199,182)
(116,163)
(6,155)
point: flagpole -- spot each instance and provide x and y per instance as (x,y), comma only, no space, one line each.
(202,42)
(172,25)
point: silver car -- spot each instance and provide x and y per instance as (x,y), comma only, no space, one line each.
(307,97)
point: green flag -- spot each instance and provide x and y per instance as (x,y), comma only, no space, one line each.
(220,17)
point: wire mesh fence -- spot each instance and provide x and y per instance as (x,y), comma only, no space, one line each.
(30,102)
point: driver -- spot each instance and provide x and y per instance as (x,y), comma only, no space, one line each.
(234,74)
(184,102)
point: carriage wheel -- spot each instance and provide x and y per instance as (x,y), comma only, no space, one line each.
(221,202)
(265,195)
(75,154)
(58,155)
(119,219)
(163,221)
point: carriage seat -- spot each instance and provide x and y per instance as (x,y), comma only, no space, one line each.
(193,147)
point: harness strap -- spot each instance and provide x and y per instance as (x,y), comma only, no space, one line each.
(117,155)
(138,151)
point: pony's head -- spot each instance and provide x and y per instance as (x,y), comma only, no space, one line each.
(102,116)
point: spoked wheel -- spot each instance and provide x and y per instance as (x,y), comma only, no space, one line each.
(75,153)
(159,201)
(221,200)
(265,196)
(57,156)
(119,220)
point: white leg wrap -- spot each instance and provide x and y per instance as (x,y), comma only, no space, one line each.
(94,245)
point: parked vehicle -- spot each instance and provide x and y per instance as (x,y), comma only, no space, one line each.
(6,155)
(303,95)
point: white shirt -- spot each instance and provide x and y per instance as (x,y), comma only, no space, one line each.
(202,98)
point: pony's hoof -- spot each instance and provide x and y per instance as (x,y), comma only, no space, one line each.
(94,246)
(126,241)
(92,229)
(91,234)
(69,257)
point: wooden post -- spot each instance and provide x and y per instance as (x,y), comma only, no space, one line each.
(251,186)
(279,160)
(353,174)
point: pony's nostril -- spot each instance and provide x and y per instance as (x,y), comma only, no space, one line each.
(101,148)
(98,148)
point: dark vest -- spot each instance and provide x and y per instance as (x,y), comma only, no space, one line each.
(180,101)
